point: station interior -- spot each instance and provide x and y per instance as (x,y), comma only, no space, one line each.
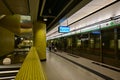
(59,40)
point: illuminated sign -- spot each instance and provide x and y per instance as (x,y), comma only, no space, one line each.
(63,29)
(96,32)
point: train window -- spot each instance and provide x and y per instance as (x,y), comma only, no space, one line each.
(108,39)
(119,39)
(95,39)
(94,43)
(78,43)
(112,45)
(69,40)
(97,42)
(84,40)
(118,42)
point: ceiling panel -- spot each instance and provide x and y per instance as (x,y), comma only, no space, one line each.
(93,6)
(54,10)
(18,6)
(3,9)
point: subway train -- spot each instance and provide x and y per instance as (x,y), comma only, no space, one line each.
(101,45)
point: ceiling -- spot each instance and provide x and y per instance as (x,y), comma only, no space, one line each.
(92,13)
(9,7)
(52,10)
(81,14)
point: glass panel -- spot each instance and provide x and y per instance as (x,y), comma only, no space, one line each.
(118,42)
(108,47)
(82,43)
(108,43)
(95,42)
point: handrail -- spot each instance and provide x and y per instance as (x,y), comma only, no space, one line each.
(31,68)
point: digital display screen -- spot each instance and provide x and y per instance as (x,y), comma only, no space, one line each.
(96,32)
(63,29)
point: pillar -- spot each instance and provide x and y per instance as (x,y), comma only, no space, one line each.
(39,39)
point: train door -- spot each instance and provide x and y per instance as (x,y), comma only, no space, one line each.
(118,47)
(108,47)
(95,45)
(69,44)
(85,43)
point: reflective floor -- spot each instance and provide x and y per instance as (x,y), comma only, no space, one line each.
(61,66)
(64,66)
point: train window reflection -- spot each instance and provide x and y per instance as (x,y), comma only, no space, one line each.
(78,42)
(112,45)
(119,44)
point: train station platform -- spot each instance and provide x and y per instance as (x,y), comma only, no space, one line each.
(63,66)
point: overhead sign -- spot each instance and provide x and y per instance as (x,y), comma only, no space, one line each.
(63,29)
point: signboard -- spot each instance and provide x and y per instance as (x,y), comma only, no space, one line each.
(63,29)
(95,32)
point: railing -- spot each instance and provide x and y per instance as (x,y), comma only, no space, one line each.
(31,68)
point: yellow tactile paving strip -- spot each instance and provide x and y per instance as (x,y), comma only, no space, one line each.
(31,68)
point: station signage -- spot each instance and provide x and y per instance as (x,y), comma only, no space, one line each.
(63,29)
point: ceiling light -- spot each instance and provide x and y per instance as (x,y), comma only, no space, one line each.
(25,18)
(45,19)
(21,38)
(2,16)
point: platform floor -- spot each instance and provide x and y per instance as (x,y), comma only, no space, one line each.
(61,66)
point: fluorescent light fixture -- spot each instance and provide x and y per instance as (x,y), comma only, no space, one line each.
(2,16)
(25,18)
(45,19)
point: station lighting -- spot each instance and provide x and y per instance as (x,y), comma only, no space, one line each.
(2,16)
(45,19)
(25,18)
(85,20)
(92,27)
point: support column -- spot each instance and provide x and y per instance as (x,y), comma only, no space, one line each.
(39,39)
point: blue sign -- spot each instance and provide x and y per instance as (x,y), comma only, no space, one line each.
(63,29)
(96,32)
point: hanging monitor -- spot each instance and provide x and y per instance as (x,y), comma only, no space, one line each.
(63,29)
